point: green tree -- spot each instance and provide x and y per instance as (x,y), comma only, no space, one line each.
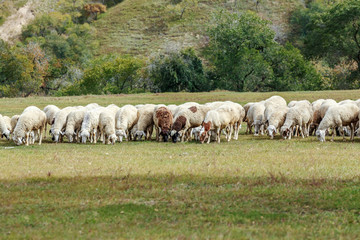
(179,71)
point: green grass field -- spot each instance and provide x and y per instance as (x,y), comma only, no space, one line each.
(253,188)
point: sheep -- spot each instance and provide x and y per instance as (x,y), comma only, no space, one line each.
(29,121)
(292,103)
(255,117)
(346,102)
(139,106)
(325,106)
(50,111)
(187,118)
(214,105)
(276,120)
(125,120)
(163,120)
(145,123)
(5,132)
(248,126)
(184,106)
(172,108)
(73,124)
(60,123)
(316,115)
(91,106)
(107,126)
(338,116)
(90,125)
(13,122)
(8,123)
(300,115)
(239,115)
(216,120)
(196,133)
(275,100)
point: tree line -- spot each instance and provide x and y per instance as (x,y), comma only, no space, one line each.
(56,55)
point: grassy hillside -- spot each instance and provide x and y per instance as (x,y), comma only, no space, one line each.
(141,27)
(251,188)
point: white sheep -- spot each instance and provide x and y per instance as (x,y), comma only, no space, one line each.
(91,106)
(73,124)
(5,132)
(325,106)
(346,102)
(172,108)
(300,114)
(275,100)
(145,123)
(29,121)
(8,123)
(248,126)
(316,115)
(125,119)
(338,116)
(187,118)
(90,125)
(58,128)
(107,126)
(13,122)
(216,120)
(50,111)
(255,117)
(239,115)
(276,119)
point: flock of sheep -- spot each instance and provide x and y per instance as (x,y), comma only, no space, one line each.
(204,122)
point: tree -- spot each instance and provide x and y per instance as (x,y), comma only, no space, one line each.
(179,71)
(178,7)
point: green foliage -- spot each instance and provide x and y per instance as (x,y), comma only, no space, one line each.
(179,71)
(111,74)
(246,58)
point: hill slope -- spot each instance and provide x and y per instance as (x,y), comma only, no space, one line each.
(141,27)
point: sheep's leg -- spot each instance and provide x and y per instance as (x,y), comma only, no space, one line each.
(104,139)
(183,135)
(95,136)
(27,139)
(291,133)
(262,130)
(333,134)
(45,130)
(41,135)
(157,134)
(218,131)
(229,137)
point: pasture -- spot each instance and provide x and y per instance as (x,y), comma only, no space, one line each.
(252,188)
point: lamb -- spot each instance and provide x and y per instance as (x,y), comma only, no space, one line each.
(300,115)
(187,118)
(163,121)
(255,117)
(13,122)
(90,125)
(338,116)
(276,120)
(125,120)
(5,132)
(196,133)
(29,121)
(216,120)
(60,123)
(246,108)
(145,123)
(107,126)
(73,124)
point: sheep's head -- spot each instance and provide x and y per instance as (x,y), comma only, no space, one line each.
(257,125)
(6,134)
(165,134)
(175,136)
(320,134)
(139,134)
(285,132)
(121,134)
(112,139)
(271,131)
(70,136)
(84,135)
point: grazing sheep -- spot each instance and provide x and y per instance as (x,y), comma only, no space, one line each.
(90,125)
(239,115)
(346,102)
(276,119)
(196,133)
(214,105)
(187,118)
(275,100)
(8,123)
(5,132)
(13,122)
(73,124)
(216,120)
(255,117)
(29,121)
(50,111)
(163,121)
(300,114)
(338,116)
(316,115)
(91,106)
(107,126)
(59,125)
(325,106)
(145,123)
(172,108)
(248,126)
(125,120)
